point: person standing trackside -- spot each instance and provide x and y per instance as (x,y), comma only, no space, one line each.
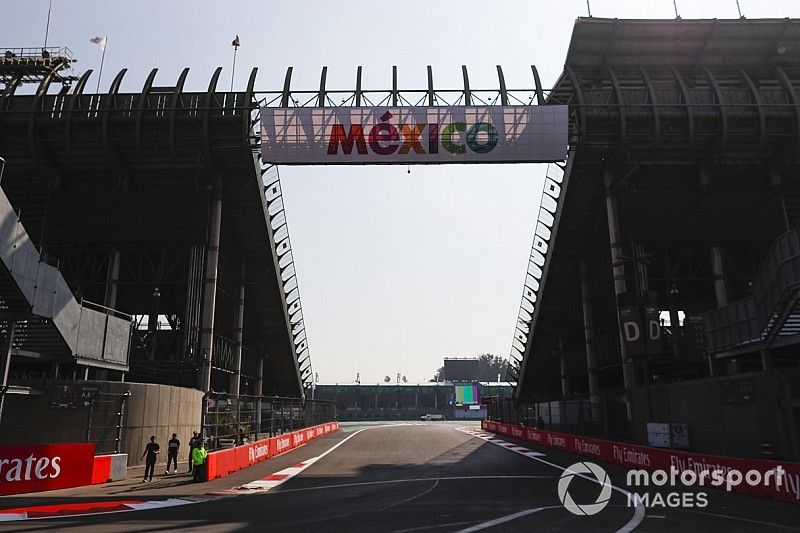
(151,451)
(199,455)
(172,453)
(192,446)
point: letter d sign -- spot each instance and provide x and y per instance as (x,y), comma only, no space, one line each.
(632,332)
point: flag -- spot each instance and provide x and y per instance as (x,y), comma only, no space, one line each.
(99,41)
(235,42)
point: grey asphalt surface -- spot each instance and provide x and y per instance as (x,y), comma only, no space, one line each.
(422,477)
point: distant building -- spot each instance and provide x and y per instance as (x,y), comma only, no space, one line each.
(410,401)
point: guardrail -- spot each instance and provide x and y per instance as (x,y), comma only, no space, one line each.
(229,420)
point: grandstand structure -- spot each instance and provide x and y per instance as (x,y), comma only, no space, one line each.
(674,248)
(154,204)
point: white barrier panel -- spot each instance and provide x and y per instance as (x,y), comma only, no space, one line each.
(459,134)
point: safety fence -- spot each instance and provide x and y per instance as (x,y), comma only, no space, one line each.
(231,421)
(603,415)
(653,459)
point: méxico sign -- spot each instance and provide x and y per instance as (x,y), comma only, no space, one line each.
(353,135)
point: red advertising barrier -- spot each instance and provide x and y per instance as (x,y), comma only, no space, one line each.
(224,462)
(101,469)
(38,467)
(648,458)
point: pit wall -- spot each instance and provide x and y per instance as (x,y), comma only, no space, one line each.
(648,458)
(224,462)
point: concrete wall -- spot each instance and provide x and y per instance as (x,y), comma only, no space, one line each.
(152,409)
(730,415)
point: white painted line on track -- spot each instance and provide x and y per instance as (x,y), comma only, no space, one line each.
(410,480)
(507,518)
(158,504)
(638,509)
(282,476)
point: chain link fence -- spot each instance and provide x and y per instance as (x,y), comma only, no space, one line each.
(230,421)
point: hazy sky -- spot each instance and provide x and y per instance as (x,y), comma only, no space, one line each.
(396,270)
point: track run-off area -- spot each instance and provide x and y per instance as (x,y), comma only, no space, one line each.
(402,477)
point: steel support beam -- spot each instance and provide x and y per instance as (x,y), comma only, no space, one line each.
(431,94)
(793,98)
(723,114)
(176,100)
(762,123)
(287,83)
(236,377)
(538,82)
(588,332)
(612,76)
(576,85)
(618,270)
(718,274)
(322,80)
(651,91)
(358,87)
(467,91)
(210,290)
(562,364)
(503,91)
(395,92)
(142,105)
(686,101)
(112,280)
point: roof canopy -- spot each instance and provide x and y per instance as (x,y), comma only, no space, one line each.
(598,42)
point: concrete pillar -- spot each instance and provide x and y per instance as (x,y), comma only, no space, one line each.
(236,377)
(718,274)
(588,333)
(618,270)
(112,279)
(210,290)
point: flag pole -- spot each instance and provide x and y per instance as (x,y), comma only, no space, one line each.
(47,28)
(102,60)
(233,69)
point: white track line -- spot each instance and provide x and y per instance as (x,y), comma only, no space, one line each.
(507,518)
(638,511)
(282,476)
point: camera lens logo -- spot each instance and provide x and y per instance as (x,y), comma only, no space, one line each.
(585,509)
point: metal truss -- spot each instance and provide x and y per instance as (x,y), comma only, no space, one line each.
(428,97)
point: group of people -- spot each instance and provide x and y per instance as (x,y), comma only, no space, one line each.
(197,457)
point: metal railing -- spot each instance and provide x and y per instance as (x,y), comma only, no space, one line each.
(747,321)
(603,415)
(230,421)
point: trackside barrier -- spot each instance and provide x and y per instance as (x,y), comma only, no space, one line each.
(648,458)
(113,467)
(223,462)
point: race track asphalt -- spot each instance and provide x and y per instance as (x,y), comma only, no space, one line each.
(436,476)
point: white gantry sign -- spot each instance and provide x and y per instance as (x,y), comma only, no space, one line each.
(410,135)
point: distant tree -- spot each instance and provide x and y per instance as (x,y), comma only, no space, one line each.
(387,379)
